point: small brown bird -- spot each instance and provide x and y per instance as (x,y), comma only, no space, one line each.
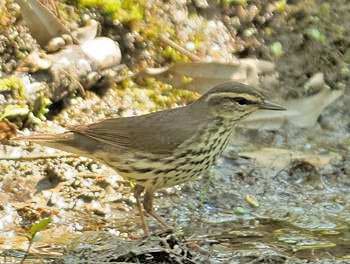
(164,148)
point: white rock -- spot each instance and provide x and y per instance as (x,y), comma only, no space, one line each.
(103,51)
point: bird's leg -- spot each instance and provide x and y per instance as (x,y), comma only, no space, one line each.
(137,193)
(148,205)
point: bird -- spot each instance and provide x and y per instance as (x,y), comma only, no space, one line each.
(165,148)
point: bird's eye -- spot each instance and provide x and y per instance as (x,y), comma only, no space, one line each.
(242,101)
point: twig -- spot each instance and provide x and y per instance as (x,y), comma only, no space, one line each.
(77,82)
(121,67)
(39,157)
(180,49)
(27,251)
(122,78)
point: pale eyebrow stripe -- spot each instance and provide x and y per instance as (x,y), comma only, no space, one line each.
(230,95)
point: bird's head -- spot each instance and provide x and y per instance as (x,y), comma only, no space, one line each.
(235,100)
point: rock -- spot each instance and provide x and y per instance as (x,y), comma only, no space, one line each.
(201,3)
(103,52)
(55,44)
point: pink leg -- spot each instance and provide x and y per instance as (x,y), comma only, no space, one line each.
(148,206)
(137,193)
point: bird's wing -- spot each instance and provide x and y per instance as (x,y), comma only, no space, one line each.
(156,133)
(105,132)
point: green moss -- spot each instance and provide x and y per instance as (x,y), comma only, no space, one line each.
(13,85)
(173,55)
(316,35)
(22,108)
(234,2)
(127,83)
(121,10)
(198,39)
(281,6)
(154,92)
(276,49)
(165,96)
(154,28)
(41,107)
(14,110)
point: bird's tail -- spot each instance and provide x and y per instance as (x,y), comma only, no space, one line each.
(62,141)
(45,137)
(66,141)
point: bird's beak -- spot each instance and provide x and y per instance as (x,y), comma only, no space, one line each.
(271,106)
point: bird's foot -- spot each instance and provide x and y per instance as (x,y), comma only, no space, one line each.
(163,225)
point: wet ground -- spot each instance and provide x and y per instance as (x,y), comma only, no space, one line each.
(275,197)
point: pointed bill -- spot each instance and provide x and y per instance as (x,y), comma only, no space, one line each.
(272,106)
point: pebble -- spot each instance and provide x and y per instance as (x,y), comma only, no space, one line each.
(190,46)
(55,44)
(201,3)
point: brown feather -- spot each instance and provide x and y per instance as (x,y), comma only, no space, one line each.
(156,133)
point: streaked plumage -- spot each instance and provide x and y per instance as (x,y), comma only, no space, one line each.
(164,148)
